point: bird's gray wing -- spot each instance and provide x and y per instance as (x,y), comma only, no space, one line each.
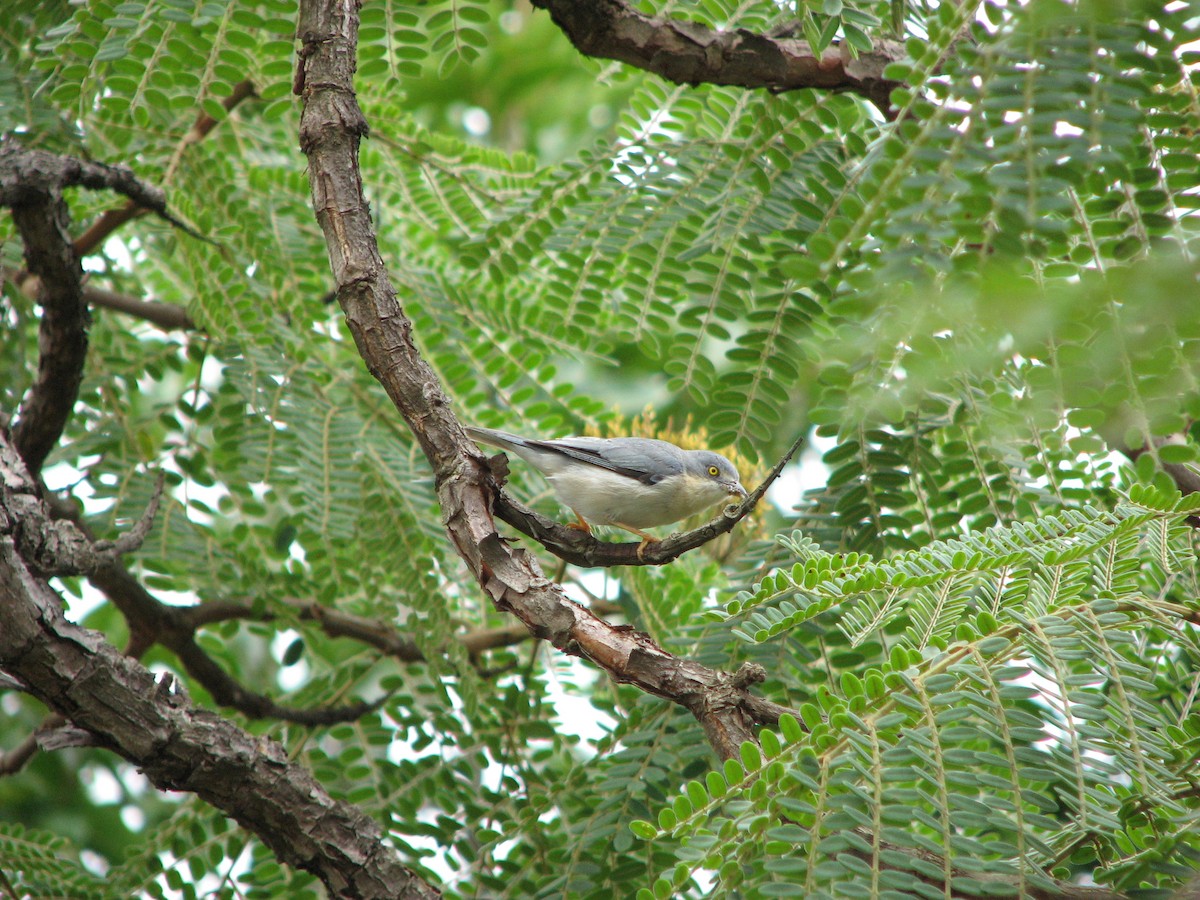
(643,459)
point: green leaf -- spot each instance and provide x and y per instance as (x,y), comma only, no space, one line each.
(643,829)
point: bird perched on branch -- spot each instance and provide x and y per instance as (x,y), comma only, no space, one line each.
(632,483)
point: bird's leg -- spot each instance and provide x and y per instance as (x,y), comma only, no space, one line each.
(647,539)
(581,525)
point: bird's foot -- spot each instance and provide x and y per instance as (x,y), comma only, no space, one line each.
(646,542)
(647,539)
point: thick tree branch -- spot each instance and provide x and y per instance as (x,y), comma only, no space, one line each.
(79,675)
(26,174)
(183,748)
(687,53)
(31,185)
(55,547)
(41,217)
(330,130)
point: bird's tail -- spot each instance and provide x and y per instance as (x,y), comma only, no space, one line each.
(502,439)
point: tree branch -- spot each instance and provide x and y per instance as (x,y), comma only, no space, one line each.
(113,219)
(179,747)
(226,691)
(41,217)
(166,316)
(387,639)
(31,185)
(56,547)
(152,622)
(26,174)
(381,635)
(54,733)
(13,760)
(687,53)
(331,127)
(78,674)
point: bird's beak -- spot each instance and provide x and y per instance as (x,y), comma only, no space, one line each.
(738,491)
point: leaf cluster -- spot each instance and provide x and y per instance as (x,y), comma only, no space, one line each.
(979,614)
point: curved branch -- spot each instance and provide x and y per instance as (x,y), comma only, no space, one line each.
(31,185)
(179,747)
(331,127)
(81,676)
(150,621)
(53,733)
(113,219)
(15,758)
(153,622)
(40,214)
(376,633)
(226,691)
(687,53)
(25,174)
(387,639)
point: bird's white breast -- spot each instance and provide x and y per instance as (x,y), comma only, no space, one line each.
(606,498)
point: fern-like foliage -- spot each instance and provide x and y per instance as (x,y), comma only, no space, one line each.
(1022,570)
(1011,733)
(980,606)
(40,864)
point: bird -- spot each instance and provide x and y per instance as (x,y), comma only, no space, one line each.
(628,482)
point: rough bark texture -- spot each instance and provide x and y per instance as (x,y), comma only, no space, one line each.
(111,700)
(330,130)
(32,189)
(31,185)
(331,127)
(179,747)
(687,53)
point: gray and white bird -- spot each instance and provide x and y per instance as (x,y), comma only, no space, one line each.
(632,483)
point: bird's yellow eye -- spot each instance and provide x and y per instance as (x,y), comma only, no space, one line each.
(714,471)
